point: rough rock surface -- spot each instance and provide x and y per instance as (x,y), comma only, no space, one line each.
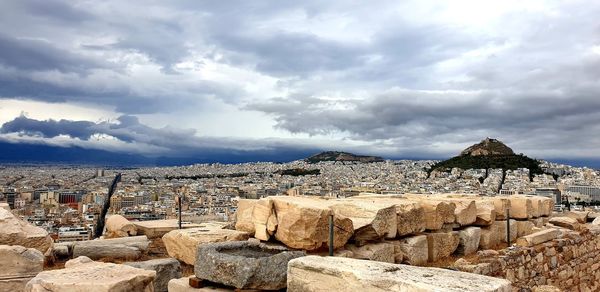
(415,250)
(243,216)
(486,212)
(442,244)
(469,240)
(313,273)
(263,213)
(182,244)
(521,207)
(21,265)
(303,224)
(244,264)
(14,231)
(411,217)
(158,228)
(119,226)
(565,222)
(501,227)
(524,228)
(436,212)
(370,220)
(538,237)
(381,252)
(127,248)
(166,269)
(93,276)
(580,216)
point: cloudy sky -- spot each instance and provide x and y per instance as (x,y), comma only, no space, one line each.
(393,78)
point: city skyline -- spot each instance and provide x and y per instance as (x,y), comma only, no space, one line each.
(187,82)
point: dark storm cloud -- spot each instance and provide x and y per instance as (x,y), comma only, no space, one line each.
(397,76)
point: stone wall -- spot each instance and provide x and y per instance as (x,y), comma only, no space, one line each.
(570,262)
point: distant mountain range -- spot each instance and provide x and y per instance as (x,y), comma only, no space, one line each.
(489,153)
(342,156)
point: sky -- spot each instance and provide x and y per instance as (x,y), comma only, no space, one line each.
(399,79)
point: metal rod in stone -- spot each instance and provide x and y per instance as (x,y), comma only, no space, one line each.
(179,209)
(330,235)
(508,226)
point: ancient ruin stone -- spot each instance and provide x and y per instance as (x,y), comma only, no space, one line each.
(19,265)
(262,211)
(303,224)
(469,240)
(486,213)
(490,237)
(538,237)
(93,276)
(166,269)
(415,250)
(126,248)
(500,205)
(381,252)
(501,227)
(119,226)
(436,212)
(410,218)
(245,265)
(183,244)
(158,228)
(370,220)
(565,222)
(14,231)
(521,207)
(442,244)
(580,216)
(313,273)
(243,216)
(524,228)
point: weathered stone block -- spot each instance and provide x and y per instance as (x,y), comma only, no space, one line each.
(14,231)
(469,240)
(415,250)
(313,273)
(119,226)
(166,269)
(538,237)
(20,264)
(245,265)
(183,244)
(441,244)
(381,252)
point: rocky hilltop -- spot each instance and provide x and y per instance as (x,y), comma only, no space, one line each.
(488,146)
(489,153)
(342,156)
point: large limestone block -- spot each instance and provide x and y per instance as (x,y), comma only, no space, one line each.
(524,228)
(547,206)
(245,264)
(303,223)
(158,228)
(243,216)
(442,244)
(596,221)
(521,207)
(14,231)
(183,244)
(486,213)
(126,248)
(490,237)
(580,216)
(436,212)
(469,240)
(381,252)
(19,265)
(119,226)
(465,212)
(565,222)
(93,276)
(415,249)
(538,237)
(502,230)
(5,206)
(411,217)
(500,205)
(313,273)
(166,269)
(370,220)
(264,219)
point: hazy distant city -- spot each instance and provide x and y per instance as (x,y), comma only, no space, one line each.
(64,198)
